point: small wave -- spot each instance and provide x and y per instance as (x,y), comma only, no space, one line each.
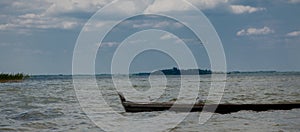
(40,125)
(48,100)
(7,129)
(38,115)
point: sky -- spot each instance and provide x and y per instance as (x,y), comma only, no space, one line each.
(39,36)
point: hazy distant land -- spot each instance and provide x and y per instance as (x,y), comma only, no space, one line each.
(176,71)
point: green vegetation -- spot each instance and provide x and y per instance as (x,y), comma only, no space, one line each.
(12,77)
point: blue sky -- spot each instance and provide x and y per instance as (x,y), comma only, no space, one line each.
(38,36)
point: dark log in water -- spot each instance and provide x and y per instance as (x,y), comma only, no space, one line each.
(216,108)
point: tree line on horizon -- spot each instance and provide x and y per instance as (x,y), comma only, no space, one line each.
(18,76)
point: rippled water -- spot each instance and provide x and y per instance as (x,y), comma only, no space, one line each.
(49,103)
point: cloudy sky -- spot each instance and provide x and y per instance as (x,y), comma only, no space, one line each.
(38,36)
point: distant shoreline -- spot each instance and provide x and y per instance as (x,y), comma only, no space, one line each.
(176,71)
(151,73)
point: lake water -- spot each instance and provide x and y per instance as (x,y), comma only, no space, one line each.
(49,103)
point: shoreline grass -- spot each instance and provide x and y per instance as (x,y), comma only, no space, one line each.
(12,77)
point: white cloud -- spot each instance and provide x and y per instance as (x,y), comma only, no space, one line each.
(293,34)
(6,26)
(167,36)
(44,22)
(142,25)
(62,6)
(62,14)
(177,5)
(225,5)
(31,21)
(47,14)
(255,31)
(107,44)
(208,4)
(28,6)
(127,7)
(137,41)
(162,24)
(166,6)
(69,24)
(96,25)
(240,9)
(30,16)
(156,24)
(294,1)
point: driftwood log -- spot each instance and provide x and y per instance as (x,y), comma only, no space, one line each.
(216,108)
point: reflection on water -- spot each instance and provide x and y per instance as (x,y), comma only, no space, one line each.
(46,103)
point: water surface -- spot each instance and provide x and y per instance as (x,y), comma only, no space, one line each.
(49,103)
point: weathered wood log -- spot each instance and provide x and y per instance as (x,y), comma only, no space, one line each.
(216,108)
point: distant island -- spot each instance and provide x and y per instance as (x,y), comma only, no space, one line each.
(12,77)
(176,71)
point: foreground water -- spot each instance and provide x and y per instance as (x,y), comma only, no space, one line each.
(49,103)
